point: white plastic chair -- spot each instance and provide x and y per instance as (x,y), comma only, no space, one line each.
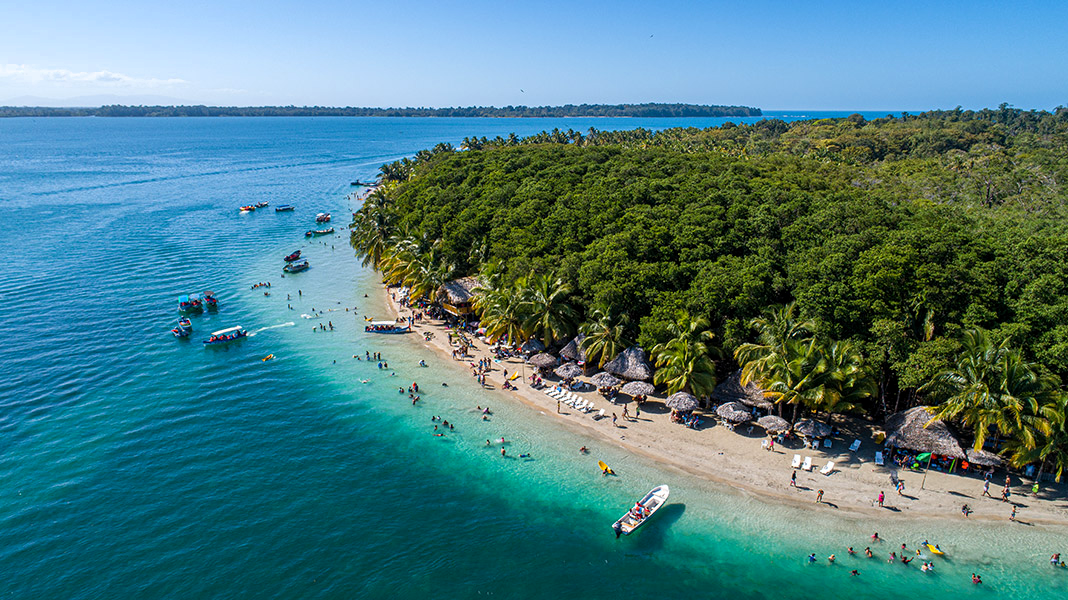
(855,446)
(807,465)
(797,461)
(879,459)
(826,470)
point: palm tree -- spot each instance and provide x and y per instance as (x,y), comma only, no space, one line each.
(796,375)
(847,380)
(549,314)
(501,309)
(992,388)
(605,336)
(685,361)
(1049,446)
(777,327)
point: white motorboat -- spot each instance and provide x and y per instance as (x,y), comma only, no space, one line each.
(642,510)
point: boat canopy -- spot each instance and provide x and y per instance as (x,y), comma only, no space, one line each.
(227,331)
(383,324)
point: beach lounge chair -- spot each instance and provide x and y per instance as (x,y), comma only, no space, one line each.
(807,465)
(827,443)
(797,461)
(826,470)
(855,446)
(599,415)
(879,459)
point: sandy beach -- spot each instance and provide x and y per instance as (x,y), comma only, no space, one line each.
(736,458)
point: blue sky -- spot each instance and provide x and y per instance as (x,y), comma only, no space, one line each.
(774,55)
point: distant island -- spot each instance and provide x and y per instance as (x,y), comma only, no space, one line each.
(647,110)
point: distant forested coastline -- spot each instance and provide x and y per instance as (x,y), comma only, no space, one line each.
(647,110)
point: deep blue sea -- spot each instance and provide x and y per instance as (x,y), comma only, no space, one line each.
(137,465)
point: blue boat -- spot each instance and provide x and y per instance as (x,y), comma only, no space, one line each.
(190,303)
(225,336)
(296,267)
(184,328)
(284,208)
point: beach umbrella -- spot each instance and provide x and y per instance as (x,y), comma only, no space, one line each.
(637,388)
(568,371)
(543,360)
(812,429)
(532,345)
(732,390)
(605,380)
(573,349)
(917,430)
(983,458)
(631,364)
(681,401)
(773,424)
(735,412)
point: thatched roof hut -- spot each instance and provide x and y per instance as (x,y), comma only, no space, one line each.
(773,423)
(568,371)
(532,345)
(983,458)
(604,379)
(812,429)
(732,390)
(917,430)
(735,412)
(573,349)
(681,401)
(637,388)
(631,364)
(459,291)
(544,360)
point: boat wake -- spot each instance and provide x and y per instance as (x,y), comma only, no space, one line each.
(287,324)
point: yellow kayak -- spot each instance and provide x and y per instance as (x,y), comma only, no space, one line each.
(605,468)
(934,550)
(268,357)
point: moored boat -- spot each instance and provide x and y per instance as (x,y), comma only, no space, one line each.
(262,204)
(292,257)
(224,336)
(297,266)
(210,300)
(248,208)
(386,327)
(642,510)
(184,328)
(322,218)
(314,232)
(190,303)
(285,208)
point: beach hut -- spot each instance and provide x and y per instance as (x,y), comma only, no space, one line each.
(603,380)
(735,412)
(457,296)
(917,430)
(637,388)
(732,390)
(681,401)
(544,360)
(812,429)
(983,458)
(631,364)
(573,350)
(532,345)
(568,371)
(773,424)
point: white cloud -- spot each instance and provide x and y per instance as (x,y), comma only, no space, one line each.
(35,75)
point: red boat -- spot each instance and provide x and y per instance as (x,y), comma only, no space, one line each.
(322,218)
(293,257)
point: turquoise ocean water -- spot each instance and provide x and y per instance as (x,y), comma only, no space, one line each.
(136,465)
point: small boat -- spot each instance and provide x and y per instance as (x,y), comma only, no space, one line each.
(643,509)
(292,257)
(386,327)
(248,208)
(184,328)
(314,232)
(262,204)
(190,303)
(210,300)
(268,357)
(362,183)
(224,336)
(296,267)
(322,218)
(285,208)
(185,323)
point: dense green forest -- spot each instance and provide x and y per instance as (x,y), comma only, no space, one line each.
(567,110)
(848,265)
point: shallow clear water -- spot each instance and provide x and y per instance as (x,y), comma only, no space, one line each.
(137,465)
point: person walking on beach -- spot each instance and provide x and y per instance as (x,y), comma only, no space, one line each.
(1012,517)
(626,415)
(819,497)
(793,479)
(614,420)
(881,498)
(986,489)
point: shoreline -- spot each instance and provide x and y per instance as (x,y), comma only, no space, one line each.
(736,459)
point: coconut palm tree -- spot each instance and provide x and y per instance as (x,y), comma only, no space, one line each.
(777,327)
(685,361)
(606,336)
(1049,446)
(992,388)
(502,310)
(846,379)
(796,375)
(549,312)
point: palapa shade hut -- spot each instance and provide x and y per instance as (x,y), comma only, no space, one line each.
(812,429)
(637,388)
(573,350)
(773,424)
(735,412)
(544,360)
(631,364)
(458,295)
(917,430)
(681,401)
(732,390)
(983,458)
(532,345)
(568,371)
(603,380)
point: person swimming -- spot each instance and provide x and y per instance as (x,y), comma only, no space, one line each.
(812,557)
(583,450)
(867,552)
